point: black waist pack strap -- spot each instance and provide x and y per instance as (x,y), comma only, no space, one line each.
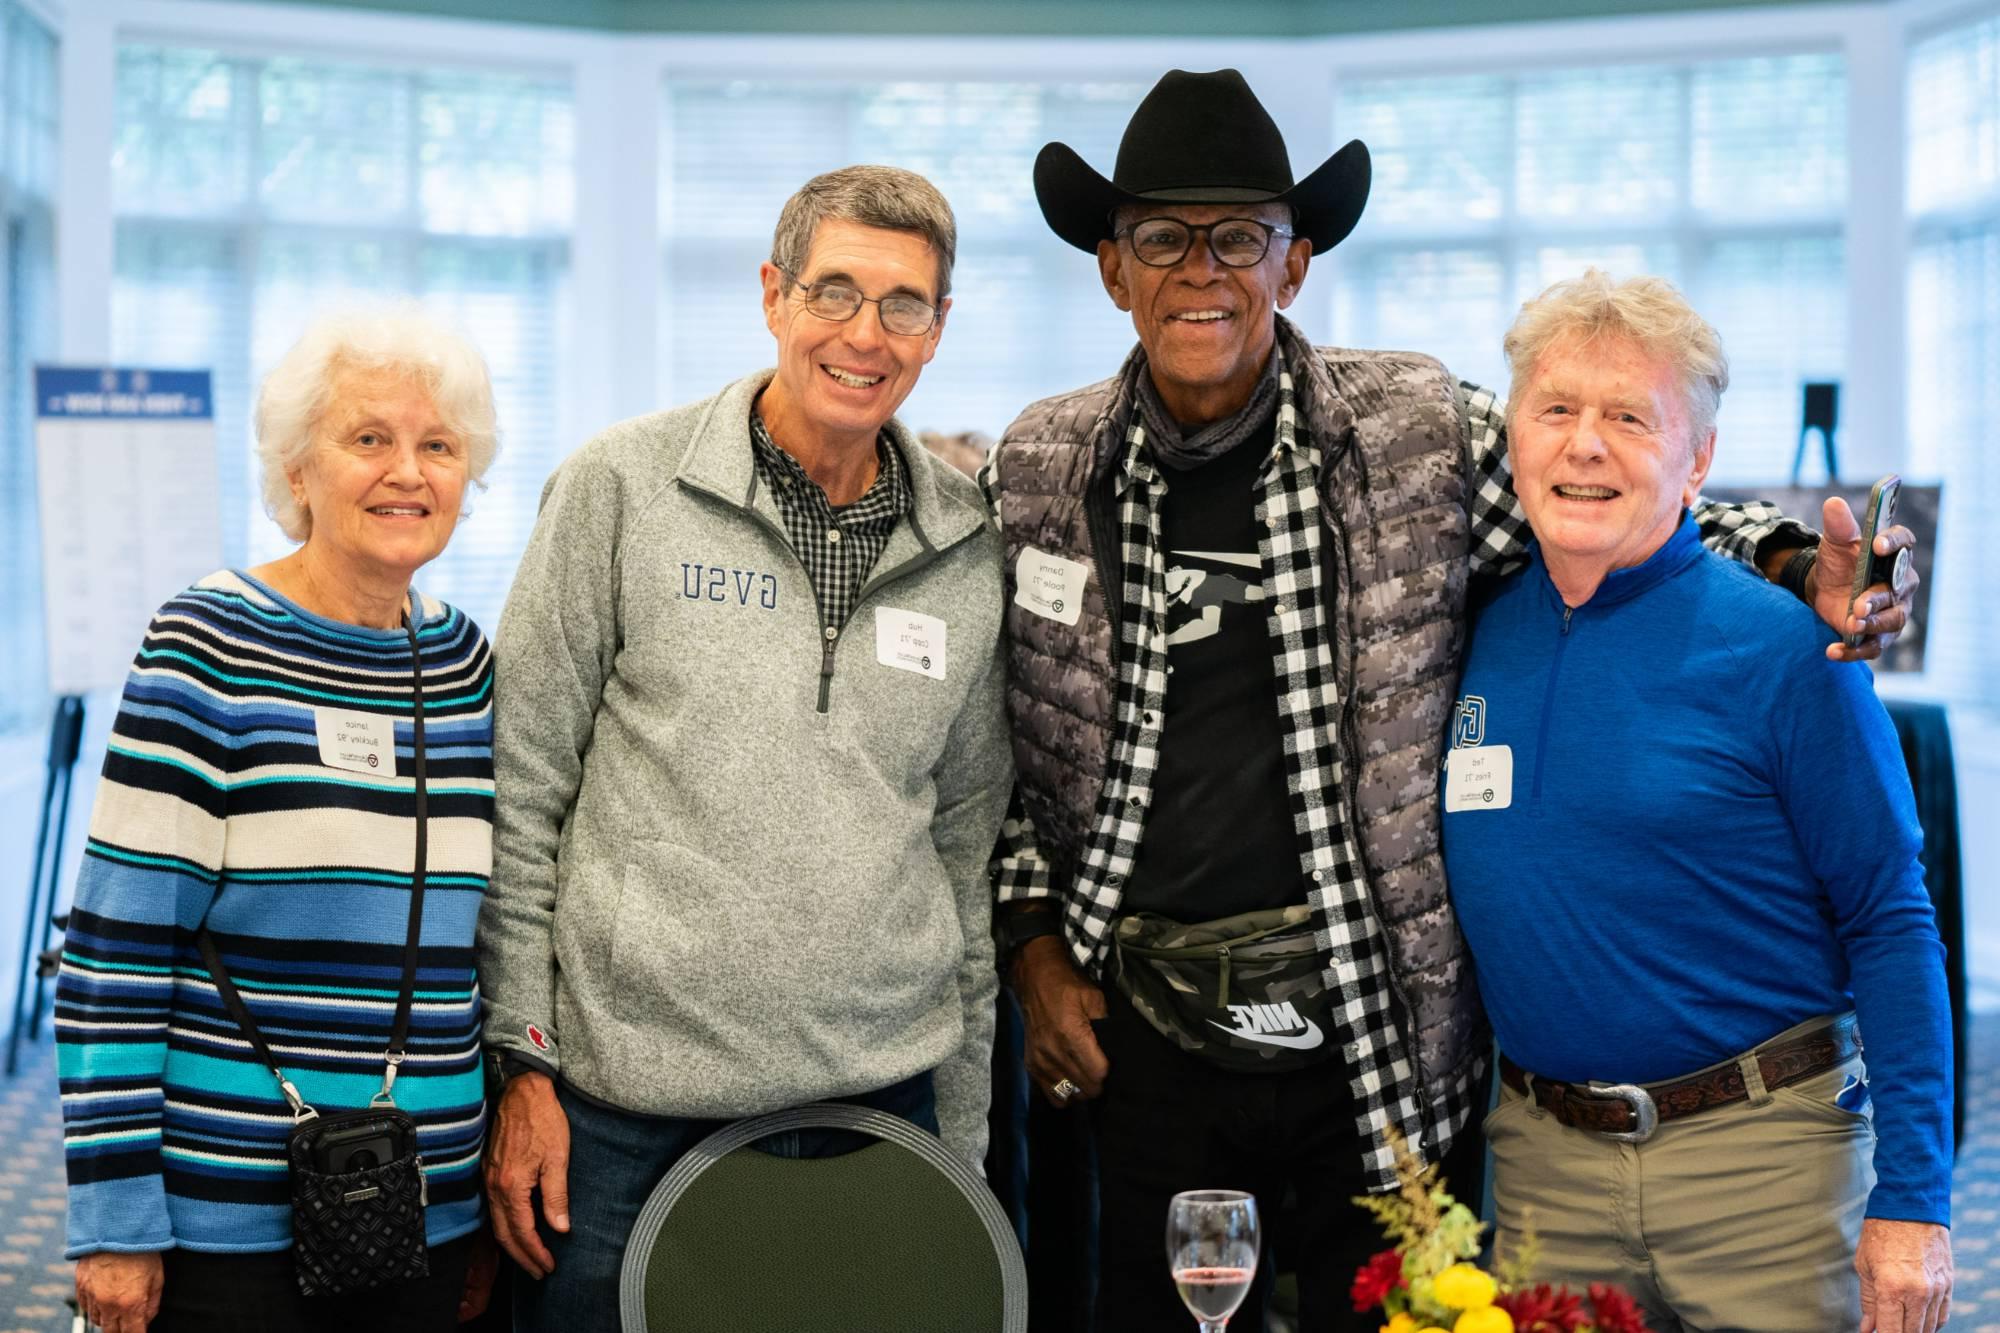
(1247,993)
(358,1191)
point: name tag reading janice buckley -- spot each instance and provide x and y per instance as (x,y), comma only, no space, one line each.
(909,641)
(1479,777)
(1049,585)
(356,742)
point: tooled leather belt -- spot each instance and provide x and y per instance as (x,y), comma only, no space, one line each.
(1631,1112)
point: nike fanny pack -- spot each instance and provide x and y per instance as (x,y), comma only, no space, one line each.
(1247,993)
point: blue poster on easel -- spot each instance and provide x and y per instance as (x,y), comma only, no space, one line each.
(125,467)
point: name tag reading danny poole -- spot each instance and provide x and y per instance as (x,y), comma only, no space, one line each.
(355,741)
(1049,586)
(1479,777)
(909,641)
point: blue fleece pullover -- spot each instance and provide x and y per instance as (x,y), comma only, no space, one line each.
(1710,838)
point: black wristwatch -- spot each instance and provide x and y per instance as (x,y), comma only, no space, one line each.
(1015,928)
(504,1065)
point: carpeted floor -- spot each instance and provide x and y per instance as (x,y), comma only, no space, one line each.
(34,1279)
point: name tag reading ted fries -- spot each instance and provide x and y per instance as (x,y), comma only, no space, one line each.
(1479,777)
(909,641)
(1049,585)
(357,742)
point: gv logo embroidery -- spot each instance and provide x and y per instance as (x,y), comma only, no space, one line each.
(1468,728)
(1273,1025)
(714,583)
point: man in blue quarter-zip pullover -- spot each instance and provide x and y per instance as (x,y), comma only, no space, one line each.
(753,760)
(1682,929)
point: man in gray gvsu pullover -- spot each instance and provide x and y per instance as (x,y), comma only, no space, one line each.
(751,758)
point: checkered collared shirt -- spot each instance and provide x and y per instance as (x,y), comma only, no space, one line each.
(838,545)
(1383,1068)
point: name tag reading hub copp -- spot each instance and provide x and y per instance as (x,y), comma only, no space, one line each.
(909,641)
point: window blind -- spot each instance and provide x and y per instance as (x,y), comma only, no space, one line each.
(27,335)
(1029,315)
(1954,344)
(253,193)
(1726,177)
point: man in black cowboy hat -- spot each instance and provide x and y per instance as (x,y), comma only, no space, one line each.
(1236,581)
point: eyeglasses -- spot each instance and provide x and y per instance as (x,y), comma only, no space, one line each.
(1236,242)
(837,303)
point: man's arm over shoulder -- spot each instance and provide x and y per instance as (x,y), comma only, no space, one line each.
(557,640)
(972,783)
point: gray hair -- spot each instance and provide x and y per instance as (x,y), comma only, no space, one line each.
(886,197)
(1649,311)
(402,340)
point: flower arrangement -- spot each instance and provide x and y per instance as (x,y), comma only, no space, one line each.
(1427,1282)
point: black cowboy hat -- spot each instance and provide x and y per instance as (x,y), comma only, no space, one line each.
(1201,139)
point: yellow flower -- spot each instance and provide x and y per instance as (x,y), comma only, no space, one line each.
(1463,1287)
(1401,1323)
(1485,1319)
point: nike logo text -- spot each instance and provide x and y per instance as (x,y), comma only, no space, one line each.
(1273,1025)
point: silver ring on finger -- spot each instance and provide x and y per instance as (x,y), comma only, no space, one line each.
(1064,1090)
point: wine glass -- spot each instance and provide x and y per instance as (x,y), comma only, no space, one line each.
(1212,1250)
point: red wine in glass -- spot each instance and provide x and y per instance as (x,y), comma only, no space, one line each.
(1212,1243)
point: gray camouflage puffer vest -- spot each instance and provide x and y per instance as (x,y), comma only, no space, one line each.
(1393,495)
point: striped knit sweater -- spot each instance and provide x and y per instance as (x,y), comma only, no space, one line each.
(216,807)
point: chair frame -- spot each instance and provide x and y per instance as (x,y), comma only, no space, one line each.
(821,1115)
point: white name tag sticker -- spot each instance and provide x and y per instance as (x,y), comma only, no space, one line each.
(1479,777)
(356,742)
(909,641)
(1049,585)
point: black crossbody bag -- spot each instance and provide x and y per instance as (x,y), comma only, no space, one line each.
(358,1192)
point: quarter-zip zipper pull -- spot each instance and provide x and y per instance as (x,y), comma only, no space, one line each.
(829,637)
(1568,611)
(1222,989)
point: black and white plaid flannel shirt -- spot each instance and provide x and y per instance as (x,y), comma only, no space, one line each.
(838,546)
(1383,1069)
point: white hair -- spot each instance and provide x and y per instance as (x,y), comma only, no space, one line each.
(400,340)
(1646,310)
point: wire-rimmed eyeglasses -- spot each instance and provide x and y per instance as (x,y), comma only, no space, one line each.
(1235,242)
(837,302)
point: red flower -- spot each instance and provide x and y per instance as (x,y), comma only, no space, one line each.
(1376,1279)
(1543,1309)
(1616,1312)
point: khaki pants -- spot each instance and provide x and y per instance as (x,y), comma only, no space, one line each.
(1744,1217)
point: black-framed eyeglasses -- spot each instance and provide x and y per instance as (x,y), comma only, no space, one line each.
(1235,242)
(837,302)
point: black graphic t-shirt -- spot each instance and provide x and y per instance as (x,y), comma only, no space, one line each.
(1219,838)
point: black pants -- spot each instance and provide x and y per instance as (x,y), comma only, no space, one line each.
(256,1293)
(1169,1121)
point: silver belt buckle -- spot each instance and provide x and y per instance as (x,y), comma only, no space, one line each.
(1644,1112)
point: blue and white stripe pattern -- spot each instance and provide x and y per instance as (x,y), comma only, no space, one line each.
(215,808)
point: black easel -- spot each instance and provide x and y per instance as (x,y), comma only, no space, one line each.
(65,739)
(1821,412)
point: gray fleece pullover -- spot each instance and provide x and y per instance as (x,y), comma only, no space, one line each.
(738,865)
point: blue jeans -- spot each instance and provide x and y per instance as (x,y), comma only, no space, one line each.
(615,1161)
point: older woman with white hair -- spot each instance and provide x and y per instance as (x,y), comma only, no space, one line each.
(1683,849)
(274,920)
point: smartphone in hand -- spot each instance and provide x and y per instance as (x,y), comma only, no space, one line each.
(1871,568)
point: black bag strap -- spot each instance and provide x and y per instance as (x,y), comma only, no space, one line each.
(399,1037)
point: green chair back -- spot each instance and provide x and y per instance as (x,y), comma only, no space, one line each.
(899,1236)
